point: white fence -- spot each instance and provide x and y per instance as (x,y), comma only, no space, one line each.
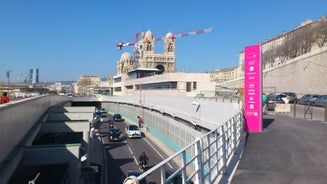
(210,158)
(206,151)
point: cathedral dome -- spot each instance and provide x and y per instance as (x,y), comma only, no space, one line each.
(126,56)
(170,35)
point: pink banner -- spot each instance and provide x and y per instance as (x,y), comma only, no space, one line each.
(253,88)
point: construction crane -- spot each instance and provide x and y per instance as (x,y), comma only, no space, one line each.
(190,33)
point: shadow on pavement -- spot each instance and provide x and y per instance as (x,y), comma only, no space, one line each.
(267,122)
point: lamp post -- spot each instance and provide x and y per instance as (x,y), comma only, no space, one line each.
(198,104)
(8,76)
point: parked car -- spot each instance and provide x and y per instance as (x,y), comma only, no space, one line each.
(284,98)
(104,118)
(272,100)
(114,135)
(291,96)
(136,173)
(307,98)
(321,100)
(117,118)
(132,131)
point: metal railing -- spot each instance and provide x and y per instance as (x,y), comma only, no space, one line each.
(208,159)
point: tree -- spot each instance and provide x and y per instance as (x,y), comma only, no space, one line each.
(321,32)
(306,39)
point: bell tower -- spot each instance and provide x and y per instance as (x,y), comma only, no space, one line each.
(169,44)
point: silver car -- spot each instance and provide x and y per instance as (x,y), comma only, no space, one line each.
(307,99)
(133,131)
(321,101)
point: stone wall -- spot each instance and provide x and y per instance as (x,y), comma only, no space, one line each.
(304,74)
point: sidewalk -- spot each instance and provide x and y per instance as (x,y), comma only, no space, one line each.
(289,150)
(305,112)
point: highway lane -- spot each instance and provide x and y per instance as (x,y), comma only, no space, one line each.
(123,156)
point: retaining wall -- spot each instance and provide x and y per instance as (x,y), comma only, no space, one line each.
(302,75)
(17,119)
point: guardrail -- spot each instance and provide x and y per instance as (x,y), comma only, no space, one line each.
(210,158)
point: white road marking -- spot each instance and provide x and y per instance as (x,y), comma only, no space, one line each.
(158,152)
(131,151)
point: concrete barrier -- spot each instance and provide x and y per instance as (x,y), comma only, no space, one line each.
(285,108)
(17,123)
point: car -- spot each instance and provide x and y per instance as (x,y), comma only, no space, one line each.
(291,96)
(114,135)
(102,110)
(136,173)
(307,99)
(284,98)
(104,118)
(272,100)
(97,115)
(133,131)
(321,101)
(117,118)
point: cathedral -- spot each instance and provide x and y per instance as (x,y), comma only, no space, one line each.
(145,59)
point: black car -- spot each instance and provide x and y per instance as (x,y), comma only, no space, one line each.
(114,135)
(117,118)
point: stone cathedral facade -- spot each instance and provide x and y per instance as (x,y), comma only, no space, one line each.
(145,57)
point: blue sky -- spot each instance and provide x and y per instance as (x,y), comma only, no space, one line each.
(66,39)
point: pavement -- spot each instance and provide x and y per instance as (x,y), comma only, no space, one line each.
(290,150)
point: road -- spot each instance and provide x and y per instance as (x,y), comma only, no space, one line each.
(123,156)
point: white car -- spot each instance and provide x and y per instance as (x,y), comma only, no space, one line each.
(284,98)
(104,118)
(132,131)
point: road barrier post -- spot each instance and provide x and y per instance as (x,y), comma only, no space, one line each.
(325,112)
(294,110)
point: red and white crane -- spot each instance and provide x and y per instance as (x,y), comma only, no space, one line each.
(189,33)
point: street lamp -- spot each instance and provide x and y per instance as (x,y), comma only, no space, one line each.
(198,104)
(8,76)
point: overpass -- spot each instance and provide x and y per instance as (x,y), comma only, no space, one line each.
(205,133)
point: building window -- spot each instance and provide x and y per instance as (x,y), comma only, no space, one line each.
(117,89)
(118,79)
(156,86)
(194,85)
(188,86)
(170,47)
(148,47)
